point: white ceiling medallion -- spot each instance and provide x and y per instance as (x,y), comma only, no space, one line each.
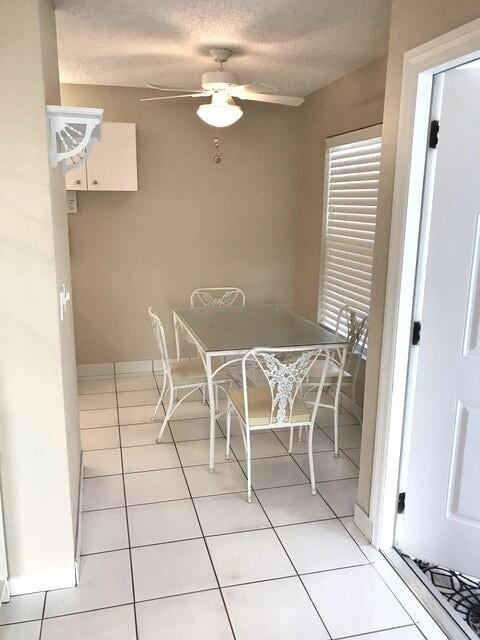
(73,132)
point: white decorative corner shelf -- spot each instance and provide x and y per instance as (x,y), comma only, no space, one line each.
(73,132)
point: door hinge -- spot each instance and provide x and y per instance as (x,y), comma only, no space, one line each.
(401,502)
(433,135)
(416,329)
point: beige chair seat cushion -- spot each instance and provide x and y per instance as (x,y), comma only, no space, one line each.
(333,371)
(187,372)
(260,406)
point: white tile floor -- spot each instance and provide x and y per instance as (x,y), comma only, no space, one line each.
(172,551)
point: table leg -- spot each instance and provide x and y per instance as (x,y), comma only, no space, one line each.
(337,400)
(177,338)
(213,410)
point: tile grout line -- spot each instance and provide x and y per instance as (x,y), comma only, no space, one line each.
(215,535)
(126,516)
(203,536)
(43,615)
(283,547)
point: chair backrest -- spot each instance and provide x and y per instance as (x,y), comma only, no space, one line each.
(217,297)
(284,370)
(159,334)
(355,324)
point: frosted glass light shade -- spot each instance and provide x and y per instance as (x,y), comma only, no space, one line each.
(222,112)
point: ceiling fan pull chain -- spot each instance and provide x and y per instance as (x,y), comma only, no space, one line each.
(216,158)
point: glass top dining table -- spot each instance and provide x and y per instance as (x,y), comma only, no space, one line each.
(232,331)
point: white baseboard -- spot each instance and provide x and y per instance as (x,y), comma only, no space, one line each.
(42,581)
(4,591)
(78,537)
(99,369)
(363,522)
(351,406)
(134,366)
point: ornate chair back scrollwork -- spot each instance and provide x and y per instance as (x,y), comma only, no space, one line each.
(275,401)
(217,297)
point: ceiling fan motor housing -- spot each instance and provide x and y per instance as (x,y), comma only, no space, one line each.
(217,80)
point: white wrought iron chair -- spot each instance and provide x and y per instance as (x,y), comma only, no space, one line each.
(278,403)
(217,297)
(186,375)
(343,368)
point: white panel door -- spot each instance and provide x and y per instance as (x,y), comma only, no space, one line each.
(441,522)
(76,178)
(112,163)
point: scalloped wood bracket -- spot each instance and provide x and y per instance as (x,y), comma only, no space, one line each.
(73,132)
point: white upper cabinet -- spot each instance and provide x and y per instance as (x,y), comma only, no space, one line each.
(112,163)
(76,179)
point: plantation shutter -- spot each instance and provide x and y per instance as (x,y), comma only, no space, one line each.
(351,183)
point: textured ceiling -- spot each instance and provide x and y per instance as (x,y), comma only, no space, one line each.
(295,45)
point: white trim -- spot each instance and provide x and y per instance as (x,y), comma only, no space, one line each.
(100,369)
(78,537)
(362,521)
(420,64)
(134,366)
(416,582)
(351,406)
(4,592)
(357,135)
(43,581)
(398,585)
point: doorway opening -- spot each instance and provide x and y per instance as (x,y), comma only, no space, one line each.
(425,507)
(438,519)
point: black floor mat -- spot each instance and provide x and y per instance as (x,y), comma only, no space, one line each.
(462,592)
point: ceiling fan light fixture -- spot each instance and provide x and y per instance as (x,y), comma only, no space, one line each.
(221,112)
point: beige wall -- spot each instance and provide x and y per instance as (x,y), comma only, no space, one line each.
(39,435)
(192,223)
(413,22)
(353,102)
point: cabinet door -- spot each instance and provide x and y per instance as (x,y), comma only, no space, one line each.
(76,179)
(112,163)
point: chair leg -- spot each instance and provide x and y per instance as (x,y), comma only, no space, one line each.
(310,459)
(204,396)
(227,446)
(156,409)
(290,441)
(168,413)
(249,466)
(300,432)
(335,424)
(162,393)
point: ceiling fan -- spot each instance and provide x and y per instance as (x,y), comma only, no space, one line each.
(222,86)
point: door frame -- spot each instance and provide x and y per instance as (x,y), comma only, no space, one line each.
(419,66)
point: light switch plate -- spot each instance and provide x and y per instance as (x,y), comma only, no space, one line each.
(72,202)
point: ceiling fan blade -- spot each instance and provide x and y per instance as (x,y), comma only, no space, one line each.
(256,87)
(156,86)
(290,101)
(183,95)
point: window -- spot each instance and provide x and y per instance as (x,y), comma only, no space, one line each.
(351,187)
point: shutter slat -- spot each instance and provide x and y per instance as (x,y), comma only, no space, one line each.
(353,177)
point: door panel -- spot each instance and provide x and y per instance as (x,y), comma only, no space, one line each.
(463,504)
(442,507)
